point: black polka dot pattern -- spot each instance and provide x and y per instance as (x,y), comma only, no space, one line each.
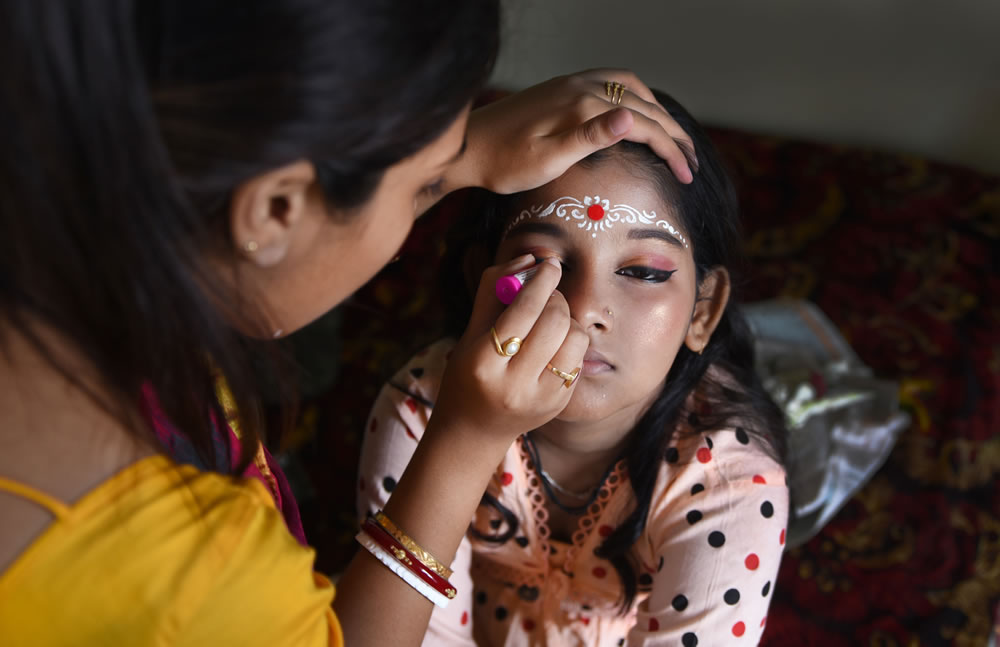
(389,484)
(679,603)
(481,597)
(673,455)
(694,517)
(732,596)
(417,372)
(522,541)
(696,488)
(645,579)
(742,436)
(709,442)
(689,640)
(659,567)
(716,539)
(767,509)
(766,589)
(500,613)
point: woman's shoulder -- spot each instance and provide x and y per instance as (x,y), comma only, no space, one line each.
(168,535)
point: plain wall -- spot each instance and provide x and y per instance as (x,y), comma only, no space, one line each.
(919,76)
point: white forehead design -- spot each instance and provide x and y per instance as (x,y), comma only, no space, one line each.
(594,214)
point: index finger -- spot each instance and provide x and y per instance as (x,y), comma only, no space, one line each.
(527,306)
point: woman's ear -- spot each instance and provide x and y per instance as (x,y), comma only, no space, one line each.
(710,303)
(266,211)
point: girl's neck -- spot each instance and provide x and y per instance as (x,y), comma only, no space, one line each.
(577,453)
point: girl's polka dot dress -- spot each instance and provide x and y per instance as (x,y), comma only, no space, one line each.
(705,564)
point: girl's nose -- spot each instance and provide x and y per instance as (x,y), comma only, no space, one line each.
(588,302)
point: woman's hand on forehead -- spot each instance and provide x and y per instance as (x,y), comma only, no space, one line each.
(532,137)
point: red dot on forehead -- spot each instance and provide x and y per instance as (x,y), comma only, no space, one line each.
(595,212)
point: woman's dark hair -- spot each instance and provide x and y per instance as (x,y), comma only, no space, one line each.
(709,215)
(127,124)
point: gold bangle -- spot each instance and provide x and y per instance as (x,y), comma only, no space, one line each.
(425,558)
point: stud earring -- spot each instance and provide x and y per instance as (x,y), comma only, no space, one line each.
(610,314)
(251,246)
(278,333)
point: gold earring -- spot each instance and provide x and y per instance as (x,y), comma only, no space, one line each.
(251,246)
(610,314)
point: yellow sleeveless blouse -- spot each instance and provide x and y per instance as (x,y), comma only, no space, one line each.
(164,554)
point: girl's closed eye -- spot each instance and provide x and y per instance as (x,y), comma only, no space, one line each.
(645,274)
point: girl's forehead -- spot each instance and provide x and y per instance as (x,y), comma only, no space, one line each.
(597,205)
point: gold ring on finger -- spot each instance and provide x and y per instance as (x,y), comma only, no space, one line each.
(618,94)
(567,378)
(507,348)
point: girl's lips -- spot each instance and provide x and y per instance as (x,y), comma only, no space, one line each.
(594,363)
(592,367)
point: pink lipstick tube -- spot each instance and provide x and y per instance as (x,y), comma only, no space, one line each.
(508,286)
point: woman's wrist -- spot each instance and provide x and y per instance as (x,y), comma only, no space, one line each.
(438,493)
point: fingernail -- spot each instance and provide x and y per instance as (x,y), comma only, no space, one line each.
(523,260)
(620,121)
(552,260)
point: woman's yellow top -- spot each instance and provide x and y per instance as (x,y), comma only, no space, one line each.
(164,554)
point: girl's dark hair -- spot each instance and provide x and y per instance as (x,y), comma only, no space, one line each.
(127,124)
(709,214)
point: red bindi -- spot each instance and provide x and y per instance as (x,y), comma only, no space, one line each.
(595,212)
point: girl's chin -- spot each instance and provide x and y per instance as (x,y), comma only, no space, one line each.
(585,409)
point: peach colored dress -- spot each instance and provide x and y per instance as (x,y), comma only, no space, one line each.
(706,561)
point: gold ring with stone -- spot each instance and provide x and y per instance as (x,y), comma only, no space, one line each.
(567,378)
(507,348)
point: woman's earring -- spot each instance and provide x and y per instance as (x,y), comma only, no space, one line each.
(610,314)
(250,246)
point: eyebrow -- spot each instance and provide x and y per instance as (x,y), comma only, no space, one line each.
(654,234)
(551,229)
(546,228)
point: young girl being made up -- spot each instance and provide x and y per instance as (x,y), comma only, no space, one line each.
(653,509)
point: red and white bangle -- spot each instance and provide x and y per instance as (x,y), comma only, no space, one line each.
(403,563)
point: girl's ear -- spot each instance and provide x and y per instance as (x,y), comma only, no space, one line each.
(713,295)
(474,263)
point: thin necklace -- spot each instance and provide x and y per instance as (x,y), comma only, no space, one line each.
(576,495)
(548,483)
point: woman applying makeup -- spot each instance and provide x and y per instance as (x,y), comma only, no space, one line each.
(179,179)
